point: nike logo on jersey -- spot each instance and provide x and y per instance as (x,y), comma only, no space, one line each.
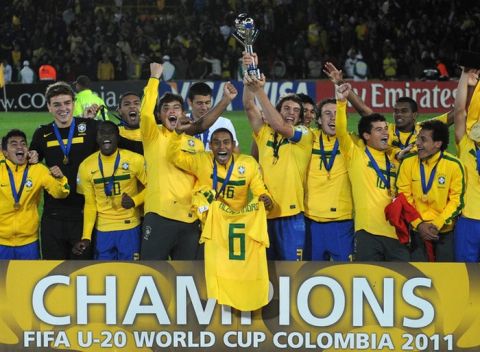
(47,134)
(93,171)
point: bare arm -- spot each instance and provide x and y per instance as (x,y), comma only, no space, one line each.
(207,120)
(336,76)
(272,116)
(253,112)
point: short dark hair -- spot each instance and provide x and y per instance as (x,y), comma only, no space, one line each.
(10,134)
(439,132)
(58,88)
(306,99)
(168,97)
(108,125)
(324,102)
(290,97)
(126,94)
(223,129)
(413,104)
(365,124)
(199,88)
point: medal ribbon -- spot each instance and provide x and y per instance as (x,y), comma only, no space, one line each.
(16,195)
(407,142)
(108,186)
(427,186)
(385,180)
(323,156)
(65,148)
(477,152)
(227,178)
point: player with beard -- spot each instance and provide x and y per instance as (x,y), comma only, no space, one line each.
(66,142)
(22,184)
(129,111)
(372,175)
(109,181)
(328,194)
(170,228)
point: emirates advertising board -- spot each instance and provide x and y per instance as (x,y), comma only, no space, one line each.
(153,306)
(432,96)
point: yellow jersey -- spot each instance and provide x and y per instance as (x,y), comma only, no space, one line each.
(284,165)
(169,191)
(19,227)
(328,194)
(106,212)
(444,201)
(236,269)
(245,173)
(370,194)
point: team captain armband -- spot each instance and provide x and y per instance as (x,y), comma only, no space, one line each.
(298,131)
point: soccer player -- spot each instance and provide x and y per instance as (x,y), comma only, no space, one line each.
(129,111)
(284,146)
(170,229)
(65,142)
(230,175)
(403,133)
(21,186)
(433,183)
(328,194)
(199,98)
(310,111)
(467,228)
(109,181)
(372,175)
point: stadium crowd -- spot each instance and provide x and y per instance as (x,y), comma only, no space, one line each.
(108,40)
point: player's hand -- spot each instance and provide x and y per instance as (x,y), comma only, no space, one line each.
(428,231)
(183,124)
(80,247)
(267,201)
(127,201)
(229,92)
(473,75)
(342,91)
(403,153)
(32,157)
(156,70)
(56,172)
(249,59)
(335,75)
(91,111)
(253,83)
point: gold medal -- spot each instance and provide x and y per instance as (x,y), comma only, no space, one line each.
(328,175)
(65,160)
(424,198)
(16,206)
(390,193)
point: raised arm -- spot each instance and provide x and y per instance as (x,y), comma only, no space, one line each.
(148,125)
(460,110)
(336,76)
(253,112)
(207,120)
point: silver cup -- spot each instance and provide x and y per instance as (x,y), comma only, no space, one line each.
(246,33)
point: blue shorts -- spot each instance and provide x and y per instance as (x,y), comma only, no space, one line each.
(329,240)
(287,238)
(467,240)
(28,252)
(118,245)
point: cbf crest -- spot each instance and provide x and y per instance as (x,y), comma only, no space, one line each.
(29,183)
(82,127)
(241,170)
(442,180)
(125,166)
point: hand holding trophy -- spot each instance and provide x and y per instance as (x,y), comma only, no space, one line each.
(246,33)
